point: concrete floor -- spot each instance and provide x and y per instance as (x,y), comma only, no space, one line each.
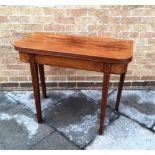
(71,121)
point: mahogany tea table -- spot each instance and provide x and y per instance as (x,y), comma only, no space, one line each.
(106,55)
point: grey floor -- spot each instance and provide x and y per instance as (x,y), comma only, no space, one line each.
(71,121)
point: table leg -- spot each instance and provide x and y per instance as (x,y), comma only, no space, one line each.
(120,87)
(42,79)
(35,82)
(104,100)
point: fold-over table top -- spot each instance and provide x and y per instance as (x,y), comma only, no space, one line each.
(75,46)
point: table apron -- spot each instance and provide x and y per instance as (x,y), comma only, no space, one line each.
(116,68)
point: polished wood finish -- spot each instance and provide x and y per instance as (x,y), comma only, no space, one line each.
(106,55)
(42,79)
(35,82)
(72,46)
(116,68)
(106,78)
(120,87)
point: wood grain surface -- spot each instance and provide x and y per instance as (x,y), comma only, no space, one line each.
(79,52)
(74,46)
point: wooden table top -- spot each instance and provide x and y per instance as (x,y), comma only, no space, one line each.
(74,46)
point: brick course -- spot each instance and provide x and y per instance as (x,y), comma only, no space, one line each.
(128,22)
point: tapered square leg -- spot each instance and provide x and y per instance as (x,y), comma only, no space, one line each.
(42,79)
(35,83)
(104,99)
(120,87)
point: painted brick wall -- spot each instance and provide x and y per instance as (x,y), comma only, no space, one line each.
(129,22)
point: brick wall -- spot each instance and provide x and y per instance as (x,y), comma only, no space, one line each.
(129,22)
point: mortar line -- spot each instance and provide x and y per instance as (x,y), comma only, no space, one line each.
(103,133)
(62,134)
(94,136)
(42,139)
(142,125)
(66,136)
(57,103)
(153,126)
(90,141)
